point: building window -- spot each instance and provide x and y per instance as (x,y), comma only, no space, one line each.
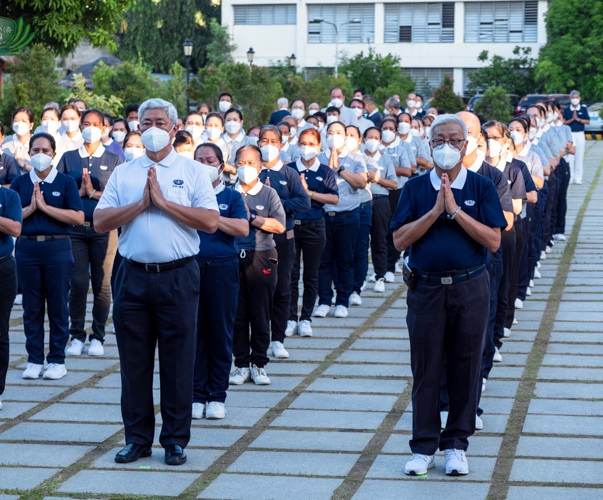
(363,32)
(427,79)
(419,22)
(501,22)
(265,14)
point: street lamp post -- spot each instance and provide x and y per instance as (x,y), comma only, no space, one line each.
(321,20)
(187,47)
(250,54)
(292,62)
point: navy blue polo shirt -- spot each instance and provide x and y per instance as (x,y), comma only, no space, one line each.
(500,183)
(527,176)
(582,113)
(290,190)
(100,166)
(517,184)
(319,178)
(219,246)
(446,246)
(10,208)
(59,190)
(9,169)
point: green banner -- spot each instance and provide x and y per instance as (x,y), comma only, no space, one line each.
(14,36)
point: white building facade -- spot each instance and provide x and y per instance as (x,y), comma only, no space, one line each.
(433,39)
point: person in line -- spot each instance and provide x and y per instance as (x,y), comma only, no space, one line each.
(204,109)
(108,143)
(576,116)
(423,160)
(313,108)
(258,268)
(360,122)
(50,123)
(119,131)
(224,103)
(234,136)
(17,145)
(132,117)
(70,121)
(93,253)
(214,131)
(420,112)
(564,173)
(51,206)
(9,169)
(449,221)
(282,111)
(346,115)
(218,260)
(184,144)
(160,200)
(372,112)
(195,125)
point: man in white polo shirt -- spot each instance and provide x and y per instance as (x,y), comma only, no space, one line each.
(159,200)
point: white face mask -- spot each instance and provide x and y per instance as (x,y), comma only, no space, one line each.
(532,133)
(427,129)
(213,133)
(269,153)
(403,128)
(293,131)
(92,134)
(549,118)
(446,157)
(297,113)
(118,135)
(471,145)
(187,154)
(155,139)
(351,144)
(418,104)
(247,174)
(133,125)
(106,132)
(415,132)
(233,127)
(254,139)
(494,147)
(224,106)
(312,111)
(195,130)
(337,102)
(213,172)
(284,139)
(555,116)
(20,128)
(575,101)
(358,112)
(517,137)
(321,126)
(335,141)
(332,118)
(71,125)
(540,122)
(372,145)
(387,136)
(410,104)
(50,126)
(133,153)
(41,161)
(308,152)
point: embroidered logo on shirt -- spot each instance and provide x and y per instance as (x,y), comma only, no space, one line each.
(56,193)
(223,206)
(103,167)
(469,203)
(178,182)
(259,207)
(284,183)
(319,178)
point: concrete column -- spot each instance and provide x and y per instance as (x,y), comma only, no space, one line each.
(301,35)
(459,22)
(379,23)
(458,80)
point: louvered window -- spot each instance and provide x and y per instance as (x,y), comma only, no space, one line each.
(322,32)
(427,79)
(265,14)
(501,22)
(419,22)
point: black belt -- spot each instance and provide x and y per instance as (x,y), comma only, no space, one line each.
(452,276)
(375,196)
(46,237)
(165,266)
(5,258)
(305,222)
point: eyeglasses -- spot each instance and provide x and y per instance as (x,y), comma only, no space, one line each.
(455,143)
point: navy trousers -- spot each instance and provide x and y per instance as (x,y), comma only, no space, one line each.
(542,197)
(8,291)
(563,180)
(362,245)
(502,306)
(550,206)
(382,215)
(285,248)
(392,254)
(523,276)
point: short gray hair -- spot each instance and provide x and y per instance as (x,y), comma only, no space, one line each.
(394,103)
(573,92)
(314,103)
(283,101)
(157,103)
(445,119)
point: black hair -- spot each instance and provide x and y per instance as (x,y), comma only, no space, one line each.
(354,126)
(369,129)
(300,100)
(110,119)
(253,147)
(130,108)
(193,113)
(225,94)
(72,107)
(129,134)
(1,128)
(43,135)
(320,114)
(216,149)
(359,90)
(286,124)
(333,109)
(28,111)
(335,123)
(183,137)
(524,120)
(119,120)
(356,99)
(94,112)
(217,115)
(50,109)
(233,110)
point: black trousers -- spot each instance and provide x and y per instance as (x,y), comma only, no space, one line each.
(362,245)
(382,214)
(309,240)
(285,248)
(514,276)
(156,309)
(523,274)
(392,254)
(215,324)
(547,215)
(502,306)
(8,291)
(93,255)
(563,180)
(446,326)
(257,283)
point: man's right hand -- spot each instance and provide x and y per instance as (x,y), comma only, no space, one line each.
(440,204)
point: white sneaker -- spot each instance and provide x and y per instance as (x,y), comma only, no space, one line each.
(18,300)
(456,463)
(538,264)
(479,423)
(278,349)
(389,277)
(543,255)
(518,304)
(515,322)
(443,419)
(304,328)
(532,285)
(291,328)
(418,465)
(579,183)
(484,383)
(379,286)
(398,269)
(322,311)
(341,311)
(372,278)
(75,348)
(259,376)
(355,299)
(537,274)
(54,371)
(548,249)
(559,237)
(528,292)
(240,376)
(33,371)
(0,404)
(497,356)
(96,348)
(506,333)
(198,411)
(215,410)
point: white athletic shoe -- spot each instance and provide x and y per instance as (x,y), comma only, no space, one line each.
(579,183)
(398,269)
(372,278)
(548,249)
(54,371)
(304,328)
(322,311)
(33,371)
(518,304)
(18,300)
(198,411)
(259,376)
(278,350)
(379,286)
(528,292)
(537,274)
(443,419)
(418,465)
(291,328)
(484,383)
(75,348)
(532,285)
(538,264)
(341,311)
(456,463)
(96,348)
(355,299)
(515,322)
(240,376)
(215,410)
(543,255)
(479,423)
(497,356)
(389,277)
(559,237)
(506,333)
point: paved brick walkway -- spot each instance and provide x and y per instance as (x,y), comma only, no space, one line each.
(335,422)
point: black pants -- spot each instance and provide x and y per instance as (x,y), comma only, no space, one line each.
(257,283)
(502,306)
(563,180)
(285,249)
(392,254)
(538,227)
(514,276)
(547,215)
(309,240)
(8,291)
(523,275)
(150,309)
(362,245)
(446,323)
(382,214)
(93,255)
(215,324)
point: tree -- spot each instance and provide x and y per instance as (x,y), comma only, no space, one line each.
(444,97)
(130,83)
(495,105)
(111,105)
(573,55)
(515,74)
(220,49)
(62,25)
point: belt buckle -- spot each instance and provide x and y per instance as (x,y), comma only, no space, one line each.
(446,280)
(297,222)
(86,224)
(152,268)
(331,214)
(40,238)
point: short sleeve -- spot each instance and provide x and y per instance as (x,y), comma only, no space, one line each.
(62,166)
(73,200)
(10,170)
(527,178)
(12,206)
(276,207)
(518,186)
(568,133)
(490,210)
(504,193)
(547,150)
(237,206)
(390,172)
(204,196)
(359,165)
(537,168)
(404,213)
(410,153)
(110,196)
(405,159)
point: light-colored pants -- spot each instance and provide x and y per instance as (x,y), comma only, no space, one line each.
(576,161)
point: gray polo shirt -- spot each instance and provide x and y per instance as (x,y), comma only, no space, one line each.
(402,156)
(385,166)
(349,197)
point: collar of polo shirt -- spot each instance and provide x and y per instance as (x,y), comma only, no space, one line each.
(276,167)
(238,138)
(97,154)
(525,150)
(343,153)
(458,183)
(479,159)
(219,188)
(166,162)
(49,178)
(300,166)
(253,191)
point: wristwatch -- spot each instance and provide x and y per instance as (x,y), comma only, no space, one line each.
(340,169)
(252,217)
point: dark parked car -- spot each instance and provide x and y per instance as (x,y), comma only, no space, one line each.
(528,100)
(471,104)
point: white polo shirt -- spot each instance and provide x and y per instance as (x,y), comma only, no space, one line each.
(153,236)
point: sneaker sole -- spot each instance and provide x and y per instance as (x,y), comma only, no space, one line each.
(415,474)
(455,472)
(215,418)
(261,383)
(280,357)
(54,378)
(237,383)
(31,378)
(305,334)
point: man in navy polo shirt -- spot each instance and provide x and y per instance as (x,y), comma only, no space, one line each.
(9,170)
(576,116)
(450,221)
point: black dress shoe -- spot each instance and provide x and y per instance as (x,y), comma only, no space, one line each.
(174,455)
(133,452)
